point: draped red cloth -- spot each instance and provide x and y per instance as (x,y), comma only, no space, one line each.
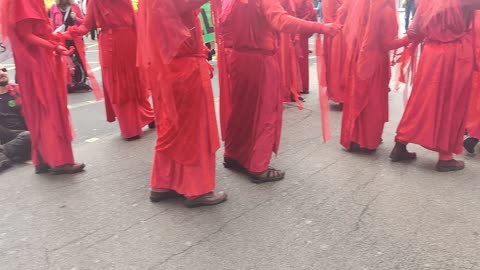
(366,99)
(435,115)
(254,127)
(334,52)
(126,95)
(473,117)
(172,53)
(305,11)
(42,77)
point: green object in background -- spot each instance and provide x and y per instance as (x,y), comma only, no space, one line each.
(207,24)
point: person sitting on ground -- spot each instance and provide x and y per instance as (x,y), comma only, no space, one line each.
(15,144)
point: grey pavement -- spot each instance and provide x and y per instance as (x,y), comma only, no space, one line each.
(335,210)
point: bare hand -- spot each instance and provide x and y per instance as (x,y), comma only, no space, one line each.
(73,15)
(332,29)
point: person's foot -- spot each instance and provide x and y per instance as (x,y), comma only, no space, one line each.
(209,199)
(400,153)
(355,148)
(270,175)
(158,196)
(133,138)
(450,165)
(469,144)
(306,91)
(151,125)
(68,169)
(5,162)
(42,168)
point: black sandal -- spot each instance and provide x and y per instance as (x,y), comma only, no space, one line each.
(272,175)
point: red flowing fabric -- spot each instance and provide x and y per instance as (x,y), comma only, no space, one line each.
(126,95)
(224,81)
(366,102)
(323,94)
(334,52)
(178,73)
(42,77)
(473,117)
(254,126)
(305,11)
(436,112)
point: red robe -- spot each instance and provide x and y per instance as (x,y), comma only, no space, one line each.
(254,127)
(334,49)
(172,52)
(435,115)
(473,118)
(366,100)
(126,97)
(305,11)
(42,78)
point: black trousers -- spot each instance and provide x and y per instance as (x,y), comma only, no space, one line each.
(15,145)
(410,8)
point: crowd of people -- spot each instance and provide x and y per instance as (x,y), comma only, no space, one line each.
(263,53)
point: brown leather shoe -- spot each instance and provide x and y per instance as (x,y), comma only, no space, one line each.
(211,198)
(68,169)
(400,153)
(42,168)
(162,196)
(450,165)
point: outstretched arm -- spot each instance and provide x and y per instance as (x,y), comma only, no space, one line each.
(282,22)
(389,26)
(87,24)
(25,30)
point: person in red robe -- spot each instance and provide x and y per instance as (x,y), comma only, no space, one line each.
(334,49)
(473,117)
(254,126)
(126,97)
(174,57)
(305,11)
(41,74)
(436,112)
(369,43)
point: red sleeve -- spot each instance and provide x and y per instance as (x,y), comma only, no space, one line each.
(329,10)
(78,11)
(88,21)
(27,9)
(282,22)
(389,24)
(188,5)
(24,29)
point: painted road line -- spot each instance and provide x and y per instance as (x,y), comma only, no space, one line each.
(83,104)
(91,46)
(96,69)
(91,140)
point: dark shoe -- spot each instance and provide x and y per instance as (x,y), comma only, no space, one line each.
(211,198)
(230,163)
(450,165)
(400,153)
(133,138)
(5,162)
(271,175)
(42,168)
(68,169)
(151,125)
(469,144)
(355,148)
(306,91)
(162,196)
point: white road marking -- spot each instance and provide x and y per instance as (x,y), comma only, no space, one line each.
(96,69)
(83,104)
(91,46)
(91,140)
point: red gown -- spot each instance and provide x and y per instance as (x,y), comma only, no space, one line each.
(254,127)
(126,97)
(366,100)
(43,79)
(334,49)
(473,118)
(435,115)
(305,11)
(171,50)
